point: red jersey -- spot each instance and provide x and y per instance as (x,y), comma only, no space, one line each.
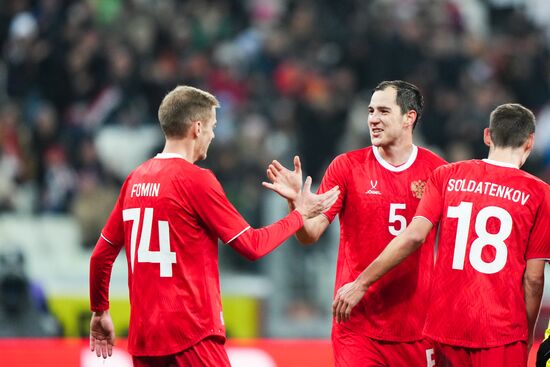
(376,202)
(169,216)
(493,217)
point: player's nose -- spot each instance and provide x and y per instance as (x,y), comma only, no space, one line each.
(373,120)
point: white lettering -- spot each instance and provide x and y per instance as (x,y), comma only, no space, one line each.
(493,189)
(145,189)
(451,184)
(430,360)
(488,188)
(479,188)
(508,193)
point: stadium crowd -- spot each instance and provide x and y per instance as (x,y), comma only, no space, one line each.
(81,81)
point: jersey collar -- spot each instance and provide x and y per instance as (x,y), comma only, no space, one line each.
(169,155)
(391,167)
(501,164)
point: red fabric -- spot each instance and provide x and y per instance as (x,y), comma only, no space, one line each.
(477,297)
(511,355)
(176,303)
(101,264)
(356,350)
(209,352)
(372,191)
(255,243)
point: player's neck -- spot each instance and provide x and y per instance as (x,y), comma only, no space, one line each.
(181,147)
(507,155)
(396,154)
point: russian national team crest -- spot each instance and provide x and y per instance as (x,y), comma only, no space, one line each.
(417,188)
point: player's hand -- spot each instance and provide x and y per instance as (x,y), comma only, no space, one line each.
(311,205)
(285,182)
(543,354)
(102,334)
(345,300)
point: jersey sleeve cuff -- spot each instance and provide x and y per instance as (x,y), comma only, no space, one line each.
(299,216)
(100,308)
(538,257)
(425,218)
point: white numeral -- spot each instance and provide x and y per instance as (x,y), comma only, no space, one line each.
(394,217)
(164,256)
(464,212)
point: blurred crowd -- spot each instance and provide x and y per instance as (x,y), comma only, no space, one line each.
(81,82)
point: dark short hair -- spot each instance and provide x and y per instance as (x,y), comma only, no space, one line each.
(182,106)
(510,125)
(408,96)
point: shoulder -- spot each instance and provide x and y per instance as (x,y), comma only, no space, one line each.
(355,156)
(427,155)
(448,170)
(346,162)
(534,179)
(201,177)
(536,185)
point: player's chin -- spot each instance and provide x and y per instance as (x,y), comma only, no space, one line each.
(377,142)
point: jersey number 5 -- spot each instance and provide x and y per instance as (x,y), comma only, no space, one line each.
(164,256)
(464,213)
(397,218)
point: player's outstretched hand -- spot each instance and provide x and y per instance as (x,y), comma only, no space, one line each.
(311,205)
(345,300)
(285,182)
(543,354)
(102,334)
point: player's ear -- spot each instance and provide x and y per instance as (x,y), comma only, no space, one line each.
(487,136)
(196,127)
(530,143)
(410,118)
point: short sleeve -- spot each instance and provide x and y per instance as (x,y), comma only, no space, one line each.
(431,204)
(335,175)
(214,209)
(539,238)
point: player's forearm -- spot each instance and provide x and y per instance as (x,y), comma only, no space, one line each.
(312,229)
(302,235)
(533,285)
(256,243)
(397,251)
(101,265)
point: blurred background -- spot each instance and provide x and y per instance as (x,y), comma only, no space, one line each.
(81,82)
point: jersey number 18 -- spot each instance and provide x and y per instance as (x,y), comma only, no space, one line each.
(463,212)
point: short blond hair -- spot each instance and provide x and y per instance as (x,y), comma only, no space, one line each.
(183,105)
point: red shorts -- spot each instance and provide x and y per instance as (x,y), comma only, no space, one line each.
(510,355)
(352,350)
(209,352)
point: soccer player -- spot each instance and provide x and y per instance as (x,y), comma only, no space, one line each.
(168,217)
(381,187)
(493,241)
